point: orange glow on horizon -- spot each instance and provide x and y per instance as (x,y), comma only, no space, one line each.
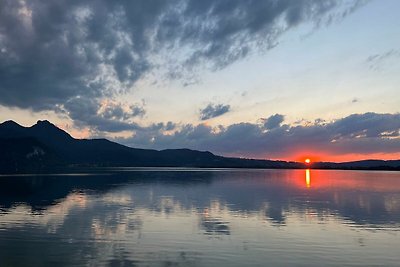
(307,160)
(326,157)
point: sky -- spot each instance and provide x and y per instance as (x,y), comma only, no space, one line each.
(270,79)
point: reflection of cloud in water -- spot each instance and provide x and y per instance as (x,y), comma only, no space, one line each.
(275,214)
(213,225)
(168,205)
(356,196)
(124,224)
(119,199)
(52,218)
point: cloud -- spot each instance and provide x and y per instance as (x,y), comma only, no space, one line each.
(100,116)
(273,121)
(357,133)
(119,111)
(55,52)
(376,61)
(213,110)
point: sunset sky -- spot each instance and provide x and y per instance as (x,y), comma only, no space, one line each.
(250,78)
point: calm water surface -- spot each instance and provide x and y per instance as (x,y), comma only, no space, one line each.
(182,217)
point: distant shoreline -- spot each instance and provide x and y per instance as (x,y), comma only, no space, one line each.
(85,170)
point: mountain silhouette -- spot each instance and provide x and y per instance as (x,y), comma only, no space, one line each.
(44,146)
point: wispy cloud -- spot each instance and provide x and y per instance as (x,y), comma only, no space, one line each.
(376,61)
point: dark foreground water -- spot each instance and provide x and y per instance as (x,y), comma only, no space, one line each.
(175,217)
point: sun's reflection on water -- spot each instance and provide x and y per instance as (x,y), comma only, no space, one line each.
(308,178)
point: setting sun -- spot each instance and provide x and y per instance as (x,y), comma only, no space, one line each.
(307,161)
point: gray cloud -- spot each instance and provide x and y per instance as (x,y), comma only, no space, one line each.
(54,52)
(117,111)
(273,121)
(357,133)
(85,112)
(213,110)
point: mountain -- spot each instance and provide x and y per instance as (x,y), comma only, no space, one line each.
(360,165)
(24,154)
(44,147)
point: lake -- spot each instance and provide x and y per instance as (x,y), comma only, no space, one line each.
(200,217)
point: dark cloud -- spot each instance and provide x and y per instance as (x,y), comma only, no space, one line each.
(357,133)
(54,52)
(85,112)
(117,111)
(273,121)
(213,110)
(227,30)
(170,126)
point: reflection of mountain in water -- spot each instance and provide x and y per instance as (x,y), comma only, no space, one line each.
(109,214)
(355,196)
(42,191)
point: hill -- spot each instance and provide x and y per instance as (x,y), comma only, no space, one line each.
(45,147)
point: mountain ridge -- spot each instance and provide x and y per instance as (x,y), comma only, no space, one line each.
(45,146)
